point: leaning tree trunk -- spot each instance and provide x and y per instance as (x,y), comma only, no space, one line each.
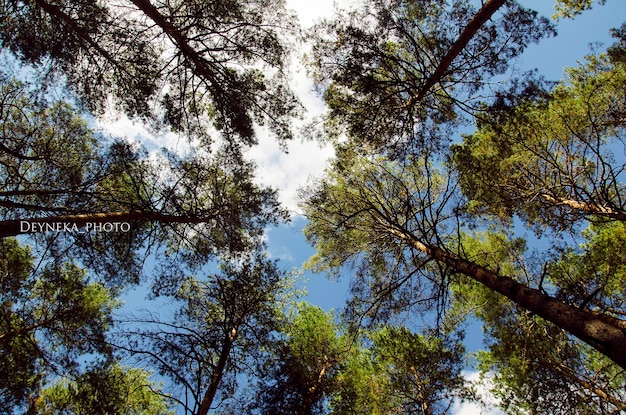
(605,333)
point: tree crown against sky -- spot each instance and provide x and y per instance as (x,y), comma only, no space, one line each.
(400,75)
(190,66)
(399,79)
(57,169)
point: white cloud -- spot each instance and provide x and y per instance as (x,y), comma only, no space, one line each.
(488,403)
(288,171)
(309,11)
(120,126)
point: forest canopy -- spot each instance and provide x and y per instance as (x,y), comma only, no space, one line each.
(461,193)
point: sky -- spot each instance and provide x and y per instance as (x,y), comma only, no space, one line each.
(304,161)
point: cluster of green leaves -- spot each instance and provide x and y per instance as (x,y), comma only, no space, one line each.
(49,318)
(551,159)
(57,169)
(318,367)
(105,389)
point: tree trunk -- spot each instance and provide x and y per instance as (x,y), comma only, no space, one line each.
(200,65)
(218,373)
(484,14)
(605,333)
(309,398)
(587,208)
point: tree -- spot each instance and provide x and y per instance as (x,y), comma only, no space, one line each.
(107,388)
(400,372)
(191,64)
(49,318)
(399,75)
(221,328)
(553,158)
(67,184)
(571,8)
(192,67)
(59,171)
(303,370)
(317,366)
(550,159)
(533,366)
(392,221)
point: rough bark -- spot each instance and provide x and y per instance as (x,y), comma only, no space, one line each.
(218,373)
(605,333)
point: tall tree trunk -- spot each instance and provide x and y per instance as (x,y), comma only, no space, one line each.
(484,14)
(218,373)
(605,333)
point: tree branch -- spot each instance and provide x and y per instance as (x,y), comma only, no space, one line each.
(484,14)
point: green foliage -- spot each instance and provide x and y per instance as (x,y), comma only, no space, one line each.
(49,318)
(594,275)
(373,65)
(537,368)
(206,55)
(533,365)
(318,367)
(105,389)
(303,367)
(550,159)
(188,209)
(183,211)
(401,372)
(568,9)
(421,232)
(355,214)
(221,326)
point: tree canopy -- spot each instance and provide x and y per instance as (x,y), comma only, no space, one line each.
(191,65)
(399,75)
(428,226)
(453,197)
